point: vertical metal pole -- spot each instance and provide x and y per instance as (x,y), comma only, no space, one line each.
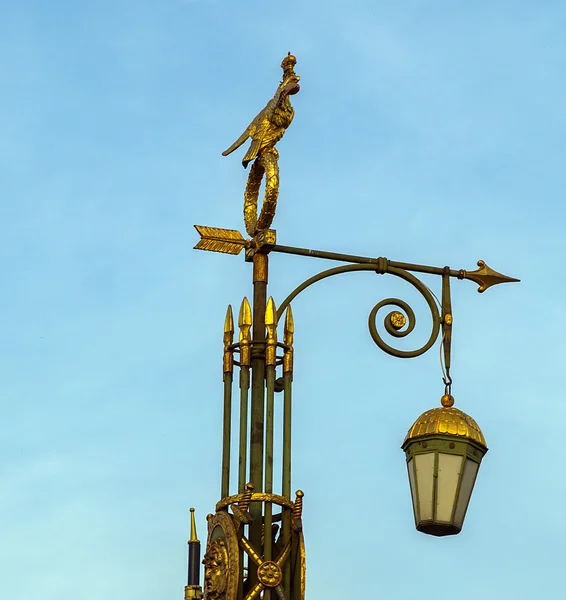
(287,391)
(269,418)
(260,265)
(244,323)
(286,467)
(270,362)
(244,390)
(226,435)
(287,387)
(286,483)
(228,368)
(446,319)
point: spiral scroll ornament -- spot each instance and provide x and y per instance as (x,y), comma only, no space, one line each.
(393,317)
(395,321)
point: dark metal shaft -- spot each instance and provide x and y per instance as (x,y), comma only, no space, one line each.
(244,391)
(260,265)
(226,435)
(194,563)
(286,483)
(269,414)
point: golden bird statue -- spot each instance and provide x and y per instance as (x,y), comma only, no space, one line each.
(270,124)
(266,130)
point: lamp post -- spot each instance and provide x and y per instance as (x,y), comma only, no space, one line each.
(255,545)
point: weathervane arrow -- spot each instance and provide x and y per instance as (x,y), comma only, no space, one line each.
(217,239)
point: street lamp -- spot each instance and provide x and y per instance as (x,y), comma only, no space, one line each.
(255,545)
(444,449)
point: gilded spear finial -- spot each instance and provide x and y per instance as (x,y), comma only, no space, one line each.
(193,537)
(245,324)
(288,334)
(228,341)
(485,276)
(271,326)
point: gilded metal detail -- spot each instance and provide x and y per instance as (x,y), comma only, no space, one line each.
(221,561)
(485,276)
(216,569)
(269,573)
(193,592)
(265,164)
(302,568)
(447,400)
(447,421)
(397,319)
(288,334)
(255,497)
(217,239)
(193,537)
(228,362)
(260,267)
(240,510)
(265,239)
(298,506)
(246,497)
(271,327)
(266,130)
(297,512)
(245,324)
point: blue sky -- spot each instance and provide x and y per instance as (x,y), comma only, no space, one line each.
(429,133)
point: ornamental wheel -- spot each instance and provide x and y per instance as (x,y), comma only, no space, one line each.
(221,560)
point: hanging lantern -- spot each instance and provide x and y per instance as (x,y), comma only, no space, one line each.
(444,449)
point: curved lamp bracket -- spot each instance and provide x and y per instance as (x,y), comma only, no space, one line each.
(392,316)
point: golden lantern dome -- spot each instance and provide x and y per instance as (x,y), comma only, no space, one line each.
(447,421)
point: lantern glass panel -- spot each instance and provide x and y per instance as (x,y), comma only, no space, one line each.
(411,469)
(424,464)
(449,470)
(468,480)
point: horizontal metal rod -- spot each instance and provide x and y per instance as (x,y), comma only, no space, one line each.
(350,258)
(322,254)
(425,269)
